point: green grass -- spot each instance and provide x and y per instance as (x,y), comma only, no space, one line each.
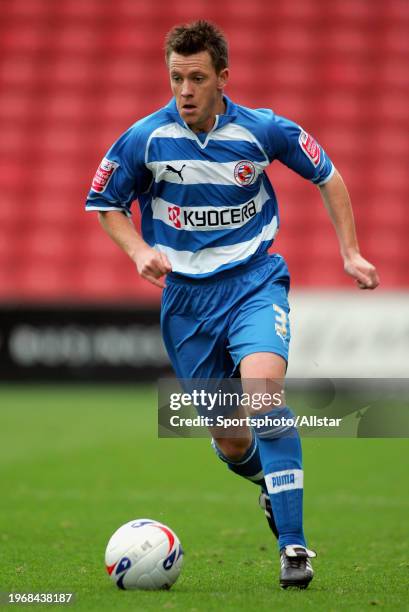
(77,462)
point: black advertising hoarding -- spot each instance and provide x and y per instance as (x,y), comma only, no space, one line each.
(100,344)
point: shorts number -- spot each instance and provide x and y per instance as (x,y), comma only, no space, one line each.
(281,321)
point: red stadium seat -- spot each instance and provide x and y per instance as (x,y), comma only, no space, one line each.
(26,37)
(297,10)
(74,75)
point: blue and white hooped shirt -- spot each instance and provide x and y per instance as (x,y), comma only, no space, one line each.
(205,199)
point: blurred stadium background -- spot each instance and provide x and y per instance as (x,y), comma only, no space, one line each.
(76,74)
(77,461)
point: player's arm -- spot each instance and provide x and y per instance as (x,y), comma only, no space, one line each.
(288,142)
(121,177)
(151,264)
(337,201)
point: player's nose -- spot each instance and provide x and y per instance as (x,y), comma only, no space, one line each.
(187,89)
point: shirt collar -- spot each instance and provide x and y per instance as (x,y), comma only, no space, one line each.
(229,115)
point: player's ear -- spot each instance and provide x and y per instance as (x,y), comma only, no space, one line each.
(222,78)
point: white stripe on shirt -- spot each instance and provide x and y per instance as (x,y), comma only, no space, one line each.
(210,259)
(165,211)
(198,171)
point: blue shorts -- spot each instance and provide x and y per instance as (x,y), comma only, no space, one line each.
(210,324)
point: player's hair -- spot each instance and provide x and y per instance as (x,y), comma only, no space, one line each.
(198,36)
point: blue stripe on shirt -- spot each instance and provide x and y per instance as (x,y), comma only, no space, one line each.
(204,194)
(221,151)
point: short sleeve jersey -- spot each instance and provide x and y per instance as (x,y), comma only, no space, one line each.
(205,198)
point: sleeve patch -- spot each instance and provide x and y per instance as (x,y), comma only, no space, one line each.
(103,175)
(310,148)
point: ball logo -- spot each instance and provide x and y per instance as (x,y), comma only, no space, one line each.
(174,216)
(141,523)
(310,147)
(169,561)
(123,565)
(103,175)
(245,173)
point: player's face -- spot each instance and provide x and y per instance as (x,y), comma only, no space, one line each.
(198,89)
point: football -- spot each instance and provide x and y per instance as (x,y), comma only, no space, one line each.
(144,554)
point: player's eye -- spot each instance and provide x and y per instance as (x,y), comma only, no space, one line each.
(176,78)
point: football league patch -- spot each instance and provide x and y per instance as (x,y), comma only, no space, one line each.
(103,175)
(310,147)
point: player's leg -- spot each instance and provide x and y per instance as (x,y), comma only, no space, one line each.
(259,341)
(242,456)
(279,445)
(281,457)
(194,320)
(241,453)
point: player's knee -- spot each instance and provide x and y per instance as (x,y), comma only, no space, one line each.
(233,448)
(258,368)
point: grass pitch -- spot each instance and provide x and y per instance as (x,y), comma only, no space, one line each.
(77,462)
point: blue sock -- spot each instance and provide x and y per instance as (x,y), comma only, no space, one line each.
(249,466)
(281,458)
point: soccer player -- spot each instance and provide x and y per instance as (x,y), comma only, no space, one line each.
(209,215)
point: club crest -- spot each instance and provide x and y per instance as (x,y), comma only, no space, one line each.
(245,173)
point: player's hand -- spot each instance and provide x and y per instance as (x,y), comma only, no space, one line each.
(362,271)
(152,265)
